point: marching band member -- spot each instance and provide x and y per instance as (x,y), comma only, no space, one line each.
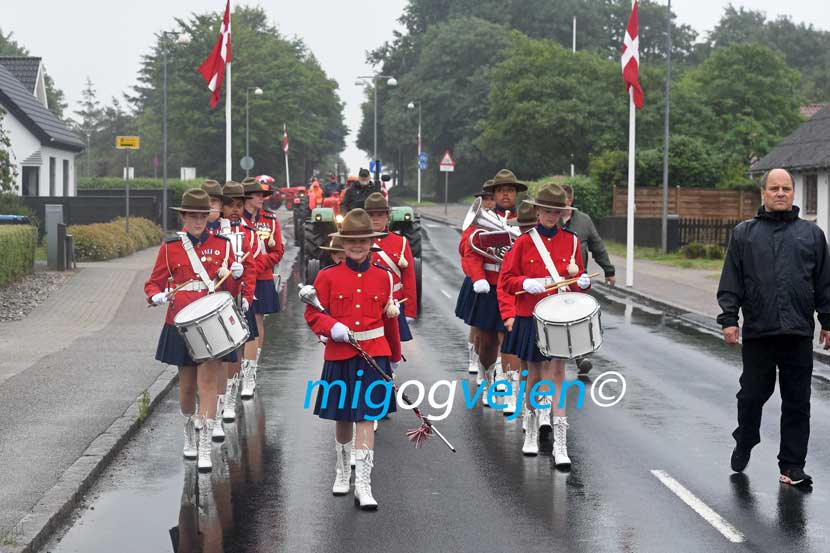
(466,293)
(526,220)
(335,251)
(483,312)
(193,258)
(393,252)
(359,298)
(537,259)
(245,241)
(266,300)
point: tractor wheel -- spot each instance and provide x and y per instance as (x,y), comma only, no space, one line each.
(418,281)
(314,236)
(311,269)
(412,232)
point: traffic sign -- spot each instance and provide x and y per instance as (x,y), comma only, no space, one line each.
(372,167)
(423,157)
(127,142)
(447,165)
(247,163)
(422,165)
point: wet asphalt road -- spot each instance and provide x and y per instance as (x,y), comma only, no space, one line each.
(271,491)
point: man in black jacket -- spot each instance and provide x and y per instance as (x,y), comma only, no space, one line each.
(357,193)
(777,272)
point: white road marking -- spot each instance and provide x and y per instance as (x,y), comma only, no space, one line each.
(430,225)
(718,522)
(446,293)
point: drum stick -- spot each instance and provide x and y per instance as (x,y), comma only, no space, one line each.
(221,280)
(174,290)
(560,284)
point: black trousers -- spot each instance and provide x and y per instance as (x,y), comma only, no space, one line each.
(793,356)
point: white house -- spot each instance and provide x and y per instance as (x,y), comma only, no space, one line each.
(43,149)
(806,155)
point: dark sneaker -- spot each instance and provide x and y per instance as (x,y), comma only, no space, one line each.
(740,459)
(795,477)
(584,366)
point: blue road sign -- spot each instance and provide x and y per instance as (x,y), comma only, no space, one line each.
(423,157)
(422,164)
(372,166)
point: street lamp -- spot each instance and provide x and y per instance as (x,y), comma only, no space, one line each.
(257,92)
(391,82)
(411,105)
(181,38)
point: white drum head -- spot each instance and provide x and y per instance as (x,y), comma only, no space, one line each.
(202,306)
(566,307)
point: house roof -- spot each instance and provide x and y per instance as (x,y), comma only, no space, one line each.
(808,147)
(41,122)
(24,69)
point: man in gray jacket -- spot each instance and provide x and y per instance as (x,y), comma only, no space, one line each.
(589,240)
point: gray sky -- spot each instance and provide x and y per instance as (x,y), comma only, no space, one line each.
(105,39)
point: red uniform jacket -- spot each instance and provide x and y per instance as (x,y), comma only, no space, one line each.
(267,227)
(172,261)
(474,265)
(250,246)
(525,262)
(507,301)
(393,245)
(463,245)
(356,296)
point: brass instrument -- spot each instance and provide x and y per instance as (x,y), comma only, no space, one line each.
(494,233)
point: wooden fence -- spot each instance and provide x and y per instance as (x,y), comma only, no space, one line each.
(707,231)
(695,203)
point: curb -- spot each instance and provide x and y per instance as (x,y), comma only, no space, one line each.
(34,530)
(699,321)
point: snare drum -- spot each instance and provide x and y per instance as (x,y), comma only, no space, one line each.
(212,327)
(568,325)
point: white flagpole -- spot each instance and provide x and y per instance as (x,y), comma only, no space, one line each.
(228,160)
(287,177)
(629,249)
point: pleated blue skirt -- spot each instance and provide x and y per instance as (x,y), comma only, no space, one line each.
(465,299)
(348,387)
(172,349)
(403,327)
(521,341)
(267,301)
(484,311)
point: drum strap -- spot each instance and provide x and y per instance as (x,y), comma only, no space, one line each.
(388,260)
(195,263)
(545,255)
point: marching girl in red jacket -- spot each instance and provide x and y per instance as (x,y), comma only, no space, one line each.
(465,294)
(542,256)
(359,299)
(197,258)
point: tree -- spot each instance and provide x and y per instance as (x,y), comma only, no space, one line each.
(8,172)
(297,92)
(54,96)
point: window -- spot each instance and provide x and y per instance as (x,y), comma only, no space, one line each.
(810,194)
(31,176)
(66,177)
(53,163)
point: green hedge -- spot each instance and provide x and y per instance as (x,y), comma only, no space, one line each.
(588,197)
(17,251)
(103,241)
(178,187)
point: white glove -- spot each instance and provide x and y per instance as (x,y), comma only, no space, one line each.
(160,298)
(323,339)
(394,365)
(584,281)
(532,286)
(481,286)
(410,320)
(236,269)
(339,332)
(245,305)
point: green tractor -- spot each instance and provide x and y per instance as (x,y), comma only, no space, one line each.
(323,221)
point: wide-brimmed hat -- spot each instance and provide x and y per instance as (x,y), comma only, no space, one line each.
(357,224)
(484,191)
(213,188)
(526,217)
(376,202)
(505,177)
(233,191)
(335,245)
(251,186)
(551,196)
(195,200)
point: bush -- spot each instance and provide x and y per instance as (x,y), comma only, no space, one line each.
(103,241)
(178,187)
(694,250)
(17,251)
(715,251)
(587,194)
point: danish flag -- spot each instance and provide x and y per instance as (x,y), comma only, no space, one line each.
(213,68)
(631,57)
(284,140)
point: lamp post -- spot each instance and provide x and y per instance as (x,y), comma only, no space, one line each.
(257,91)
(181,38)
(412,106)
(392,82)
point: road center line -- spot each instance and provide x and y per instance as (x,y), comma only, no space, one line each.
(446,293)
(721,525)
